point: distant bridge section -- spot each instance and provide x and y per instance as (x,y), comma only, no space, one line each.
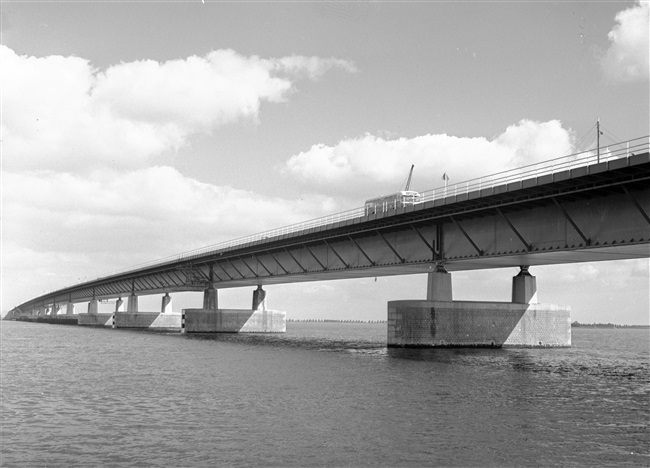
(579,208)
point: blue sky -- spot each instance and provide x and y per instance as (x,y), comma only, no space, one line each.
(132,131)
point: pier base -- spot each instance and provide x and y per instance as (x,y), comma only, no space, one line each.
(58,320)
(95,320)
(148,320)
(477,324)
(234,321)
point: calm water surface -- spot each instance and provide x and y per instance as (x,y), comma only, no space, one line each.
(323,394)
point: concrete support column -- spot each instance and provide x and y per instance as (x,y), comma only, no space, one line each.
(55,310)
(259,299)
(93,306)
(69,309)
(119,305)
(166,305)
(132,304)
(439,285)
(210,299)
(524,287)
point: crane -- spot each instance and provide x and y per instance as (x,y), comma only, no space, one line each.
(408,181)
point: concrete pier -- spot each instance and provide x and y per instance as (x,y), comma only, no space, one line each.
(95,320)
(234,321)
(132,303)
(439,285)
(441,322)
(210,299)
(259,299)
(166,304)
(148,320)
(69,309)
(524,287)
(93,306)
(477,324)
(256,320)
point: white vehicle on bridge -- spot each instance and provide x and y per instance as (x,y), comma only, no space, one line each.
(392,202)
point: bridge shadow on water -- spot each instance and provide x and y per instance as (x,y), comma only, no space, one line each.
(277,340)
(559,362)
(373,348)
(367,341)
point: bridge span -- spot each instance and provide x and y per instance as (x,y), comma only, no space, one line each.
(580,208)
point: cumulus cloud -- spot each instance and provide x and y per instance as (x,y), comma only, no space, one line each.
(61,226)
(374,165)
(111,211)
(62,113)
(83,187)
(626,59)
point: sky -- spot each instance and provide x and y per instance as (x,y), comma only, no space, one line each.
(132,131)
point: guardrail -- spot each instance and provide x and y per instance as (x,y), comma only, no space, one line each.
(624,149)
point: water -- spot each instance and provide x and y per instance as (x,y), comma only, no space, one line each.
(324,394)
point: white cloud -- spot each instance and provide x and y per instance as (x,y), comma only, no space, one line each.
(626,59)
(112,212)
(80,197)
(529,142)
(371,165)
(194,94)
(311,67)
(60,113)
(89,225)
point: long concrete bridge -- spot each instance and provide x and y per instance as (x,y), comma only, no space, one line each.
(591,206)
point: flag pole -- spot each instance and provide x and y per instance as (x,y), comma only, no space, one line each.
(598,140)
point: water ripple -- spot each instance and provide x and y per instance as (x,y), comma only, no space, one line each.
(320,395)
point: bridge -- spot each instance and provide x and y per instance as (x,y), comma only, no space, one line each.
(590,206)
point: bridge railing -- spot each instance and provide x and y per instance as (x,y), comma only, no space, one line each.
(552,166)
(586,158)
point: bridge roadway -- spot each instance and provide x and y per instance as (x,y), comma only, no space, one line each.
(578,212)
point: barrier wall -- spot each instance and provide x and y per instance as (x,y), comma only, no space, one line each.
(234,321)
(477,324)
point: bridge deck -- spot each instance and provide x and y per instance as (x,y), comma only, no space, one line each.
(451,201)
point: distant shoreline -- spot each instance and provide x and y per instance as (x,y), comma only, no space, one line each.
(335,320)
(573,325)
(605,325)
